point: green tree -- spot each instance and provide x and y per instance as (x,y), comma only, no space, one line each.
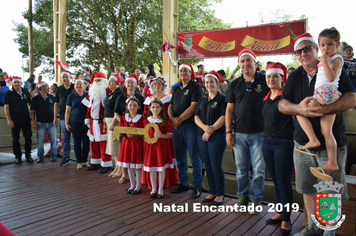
(108,33)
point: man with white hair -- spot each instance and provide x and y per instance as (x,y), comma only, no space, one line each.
(244,104)
(62,93)
(42,121)
(98,91)
(16,108)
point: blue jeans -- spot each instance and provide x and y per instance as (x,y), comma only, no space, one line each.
(52,136)
(278,155)
(248,148)
(212,153)
(185,138)
(66,139)
(81,141)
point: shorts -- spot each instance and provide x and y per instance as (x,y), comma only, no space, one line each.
(304,179)
(326,94)
(112,147)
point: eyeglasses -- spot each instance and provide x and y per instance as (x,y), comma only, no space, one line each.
(248,86)
(306,49)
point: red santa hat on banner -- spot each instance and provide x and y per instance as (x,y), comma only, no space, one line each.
(132,77)
(216,76)
(301,38)
(118,79)
(189,67)
(65,72)
(277,68)
(247,52)
(97,75)
(16,78)
(78,80)
(40,84)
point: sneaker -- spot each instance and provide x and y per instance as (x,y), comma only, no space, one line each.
(64,161)
(53,159)
(196,192)
(309,231)
(242,201)
(255,207)
(180,188)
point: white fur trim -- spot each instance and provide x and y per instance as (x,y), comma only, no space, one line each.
(113,77)
(133,79)
(95,161)
(86,102)
(106,163)
(274,70)
(212,76)
(129,165)
(301,40)
(134,120)
(158,168)
(248,54)
(185,66)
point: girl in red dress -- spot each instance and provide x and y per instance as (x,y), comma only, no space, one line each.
(158,156)
(131,149)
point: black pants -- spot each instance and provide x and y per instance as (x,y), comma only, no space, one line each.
(25,126)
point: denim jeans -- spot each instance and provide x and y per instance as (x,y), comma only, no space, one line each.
(81,141)
(278,155)
(66,139)
(248,148)
(212,153)
(185,138)
(52,136)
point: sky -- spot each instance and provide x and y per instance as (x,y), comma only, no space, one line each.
(320,14)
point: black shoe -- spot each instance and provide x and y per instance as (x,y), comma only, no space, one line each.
(286,231)
(53,159)
(160,196)
(196,192)
(208,199)
(104,170)
(18,160)
(129,191)
(180,188)
(39,160)
(152,195)
(216,203)
(29,160)
(94,167)
(273,221)
(136,191)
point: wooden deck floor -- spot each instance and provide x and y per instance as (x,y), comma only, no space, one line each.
(45,199)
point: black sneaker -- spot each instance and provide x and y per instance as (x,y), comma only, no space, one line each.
(64,161)
(196,192)
(53,159)
(180,188)
(94,167)
(104,170)
(29,159)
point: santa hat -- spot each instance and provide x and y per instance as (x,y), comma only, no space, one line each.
(277,68)
(189,67)
(97,75)
(79,80)
(117,78)
(216,76)
(301,38)
(65,72)
(247,52)
(16,78)
(132,77)
(40,84)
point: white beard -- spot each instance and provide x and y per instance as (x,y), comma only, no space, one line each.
(98,90)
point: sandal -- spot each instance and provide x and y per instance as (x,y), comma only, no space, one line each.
(320,175)
(79,166)
(122,180)
(86,164)
(305,151)
(116,175)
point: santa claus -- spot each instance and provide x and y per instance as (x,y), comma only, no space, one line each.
(95,120)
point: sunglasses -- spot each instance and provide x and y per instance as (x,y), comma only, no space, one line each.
(306,49)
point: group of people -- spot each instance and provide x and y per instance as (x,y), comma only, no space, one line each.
(269,120)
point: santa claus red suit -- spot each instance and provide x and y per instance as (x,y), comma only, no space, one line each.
(95,120)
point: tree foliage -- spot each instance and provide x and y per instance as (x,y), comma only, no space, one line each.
(103,34)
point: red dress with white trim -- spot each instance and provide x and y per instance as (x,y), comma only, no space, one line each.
(159,156)
(131,149)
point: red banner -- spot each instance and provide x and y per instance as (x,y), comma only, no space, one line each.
(267,39)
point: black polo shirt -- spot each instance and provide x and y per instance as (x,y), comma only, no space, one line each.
(276,124)
(18,104)
(210,110)
(109,102)
(297,88)
(248,104)
(61,98)
(43,107)
(182,98)
(120,104)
